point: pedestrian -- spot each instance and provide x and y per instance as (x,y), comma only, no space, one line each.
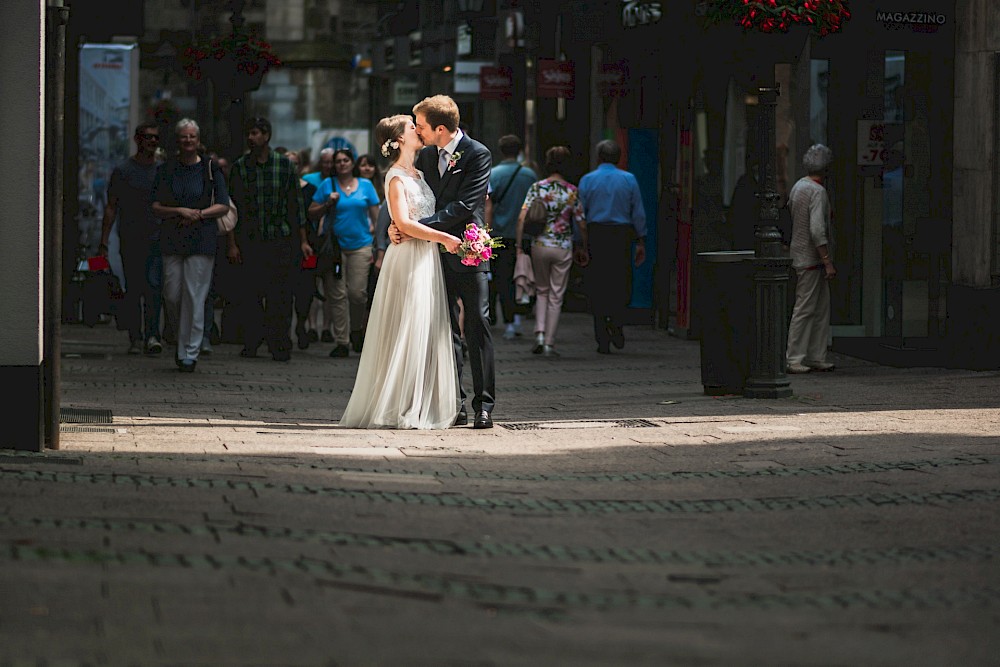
(189,194)
(612,206)
(322,170)
(811,250)
(304,279)
(130,192)
(552,251)
(349,206)
(510,181)
(368,168)
(268,241)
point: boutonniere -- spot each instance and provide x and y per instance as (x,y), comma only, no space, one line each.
(455,157)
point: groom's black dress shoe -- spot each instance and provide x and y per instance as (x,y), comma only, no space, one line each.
(483,420)
(462,418)
(615,333)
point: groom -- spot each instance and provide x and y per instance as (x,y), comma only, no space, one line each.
(458,170)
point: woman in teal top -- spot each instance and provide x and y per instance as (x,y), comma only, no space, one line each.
(348,205)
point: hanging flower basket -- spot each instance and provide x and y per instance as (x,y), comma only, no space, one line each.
(822,17)
(231,56)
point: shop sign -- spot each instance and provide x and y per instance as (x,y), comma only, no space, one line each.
(639,12)
(389,53)
(404,93)
(916,21)
(467,75)
(416,48)
(613,79)
(496,83)
(556,78)
(463,40)
(872,138)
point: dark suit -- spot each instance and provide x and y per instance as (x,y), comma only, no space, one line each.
(461,199)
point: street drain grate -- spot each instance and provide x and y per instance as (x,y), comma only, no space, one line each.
(587,423)
(87,429)
(85,416)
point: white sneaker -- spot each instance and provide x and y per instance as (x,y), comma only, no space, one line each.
(820,366)
(797,368)
(153,345)
(549,351)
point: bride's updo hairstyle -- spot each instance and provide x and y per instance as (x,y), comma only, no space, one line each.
(387,134)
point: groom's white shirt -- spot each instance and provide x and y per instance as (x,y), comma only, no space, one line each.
(449,149)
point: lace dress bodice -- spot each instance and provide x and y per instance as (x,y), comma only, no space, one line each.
(419,195)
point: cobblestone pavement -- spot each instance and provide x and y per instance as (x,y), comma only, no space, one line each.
(614,516)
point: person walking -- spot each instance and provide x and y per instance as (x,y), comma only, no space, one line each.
(552,251)
(612,206)
(348,205)
(811,250)
(269,241)
(189,194)
(129,195)
(509,181)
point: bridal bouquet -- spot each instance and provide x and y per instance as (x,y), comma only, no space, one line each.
(477,245)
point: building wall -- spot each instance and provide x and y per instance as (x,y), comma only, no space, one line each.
(974,237)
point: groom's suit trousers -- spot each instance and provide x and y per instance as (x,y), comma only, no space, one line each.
(473,290)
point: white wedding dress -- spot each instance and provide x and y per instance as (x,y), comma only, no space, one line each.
(407,377)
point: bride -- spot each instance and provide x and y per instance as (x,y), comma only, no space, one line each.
(407,376)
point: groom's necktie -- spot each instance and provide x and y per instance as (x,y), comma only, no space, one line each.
(442,161)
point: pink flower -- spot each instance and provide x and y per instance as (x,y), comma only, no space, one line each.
(477,247)
(487,252)
(471,233)
(470,261)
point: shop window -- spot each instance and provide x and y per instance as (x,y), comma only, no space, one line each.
(819,82)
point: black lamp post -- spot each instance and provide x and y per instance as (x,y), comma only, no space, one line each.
(770,272)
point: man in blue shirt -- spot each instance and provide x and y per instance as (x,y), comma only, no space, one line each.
(615,217)
(509,181)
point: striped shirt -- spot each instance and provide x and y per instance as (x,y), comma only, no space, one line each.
(268,197)
(809,206)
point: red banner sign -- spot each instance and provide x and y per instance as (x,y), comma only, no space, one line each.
(613,79)
(496,83)
(556,78)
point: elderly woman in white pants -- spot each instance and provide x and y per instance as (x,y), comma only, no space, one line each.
(811,252)
(552,249)
(188,195)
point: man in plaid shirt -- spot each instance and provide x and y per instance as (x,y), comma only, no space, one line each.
(269,240)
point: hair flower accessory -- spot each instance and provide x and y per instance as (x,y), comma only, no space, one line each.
(455,157)
(389,143)
(477,245)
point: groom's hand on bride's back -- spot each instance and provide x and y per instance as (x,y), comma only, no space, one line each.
(397,236)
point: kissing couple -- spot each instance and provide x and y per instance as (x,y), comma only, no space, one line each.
(410,373)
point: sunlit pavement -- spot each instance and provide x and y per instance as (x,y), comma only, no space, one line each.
(614,516)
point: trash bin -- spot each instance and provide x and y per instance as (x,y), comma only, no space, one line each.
(725,300)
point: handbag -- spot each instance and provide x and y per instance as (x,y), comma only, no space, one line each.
(329,254)
(227,221)
(536,218)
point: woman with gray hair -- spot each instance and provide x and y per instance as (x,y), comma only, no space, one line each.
(189,194)
(811,247)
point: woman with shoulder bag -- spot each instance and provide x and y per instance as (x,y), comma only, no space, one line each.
(552,249)
(183,197)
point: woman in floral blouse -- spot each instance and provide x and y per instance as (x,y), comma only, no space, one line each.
(552,251)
